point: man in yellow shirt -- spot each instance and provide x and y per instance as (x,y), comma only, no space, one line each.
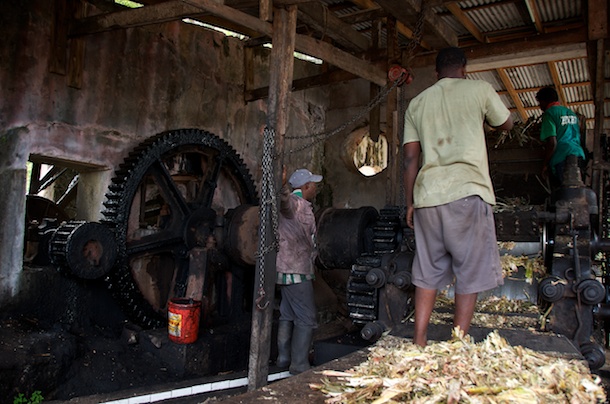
(449,198)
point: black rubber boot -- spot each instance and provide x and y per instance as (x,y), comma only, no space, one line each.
(301,341)
(284,337)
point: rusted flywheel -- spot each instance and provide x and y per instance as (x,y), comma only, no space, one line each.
(166,201)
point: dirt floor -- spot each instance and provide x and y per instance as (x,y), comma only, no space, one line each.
(63,364)
(69,341)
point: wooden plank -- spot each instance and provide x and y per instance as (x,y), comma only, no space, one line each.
(326,78)
(535,12)
(325,51)
(164,12)
(282,64)
(504,54)
(76,50)
(59,39)
(248,71)
(392,136)
(137,17)
(463,19)
(175,9)
(265,10)
(557,82)
(318,17)
(436,32)
(513,95)
(375,112)
(370,5)
(597,19)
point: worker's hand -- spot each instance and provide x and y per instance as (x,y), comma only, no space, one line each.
(410,211)
(545,172)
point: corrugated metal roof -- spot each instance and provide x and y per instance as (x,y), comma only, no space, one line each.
(572,71)
(497,18)
(507,19)
(555,10)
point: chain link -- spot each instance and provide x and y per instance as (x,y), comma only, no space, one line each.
(418,32)
(268,197)
(319,137)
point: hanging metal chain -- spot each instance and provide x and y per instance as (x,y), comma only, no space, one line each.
(268,198)
(319,137)
(418,32)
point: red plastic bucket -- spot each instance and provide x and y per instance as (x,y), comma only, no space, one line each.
(183,320)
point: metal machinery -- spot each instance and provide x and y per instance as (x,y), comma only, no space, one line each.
(180,221)
(379,289)
(167,231)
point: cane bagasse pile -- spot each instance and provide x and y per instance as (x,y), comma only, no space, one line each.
(461,371)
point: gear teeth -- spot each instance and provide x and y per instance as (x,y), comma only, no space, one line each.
(362,298)
(127,177)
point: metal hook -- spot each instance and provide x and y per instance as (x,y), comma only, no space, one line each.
(259,299)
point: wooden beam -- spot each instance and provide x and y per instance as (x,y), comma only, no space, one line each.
(76,49)
(317,16)
(463,19)
(179,9)
(532,6)
(137,17)
(557,82)
(59,38)
(366,15)
(391,120)
(282,66)
(375,113)
(598,86)
(329,77)
(436,32)
(513,95)
(265,10)
(597,19)
(402,29)
(569,44)
(343,60)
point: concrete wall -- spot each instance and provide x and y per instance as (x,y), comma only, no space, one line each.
(136,83)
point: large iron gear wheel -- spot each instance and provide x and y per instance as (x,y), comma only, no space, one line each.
(168,198)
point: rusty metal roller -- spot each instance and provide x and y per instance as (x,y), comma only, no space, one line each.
(87,250)
(344,235)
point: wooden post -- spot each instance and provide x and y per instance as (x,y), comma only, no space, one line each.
(393,175)
(375,113)
(282,63)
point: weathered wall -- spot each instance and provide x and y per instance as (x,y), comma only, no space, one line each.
(350,189)
(135,83)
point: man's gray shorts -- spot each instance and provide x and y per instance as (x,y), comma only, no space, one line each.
(457,240)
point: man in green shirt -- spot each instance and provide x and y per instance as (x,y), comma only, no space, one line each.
(561,133)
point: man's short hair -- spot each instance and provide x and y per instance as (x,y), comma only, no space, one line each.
(547,94)
(450,58)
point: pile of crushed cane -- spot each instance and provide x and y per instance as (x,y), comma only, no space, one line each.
(461,371)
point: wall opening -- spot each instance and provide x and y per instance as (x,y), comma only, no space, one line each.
(364,155)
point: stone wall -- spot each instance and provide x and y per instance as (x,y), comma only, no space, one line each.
(136,82)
